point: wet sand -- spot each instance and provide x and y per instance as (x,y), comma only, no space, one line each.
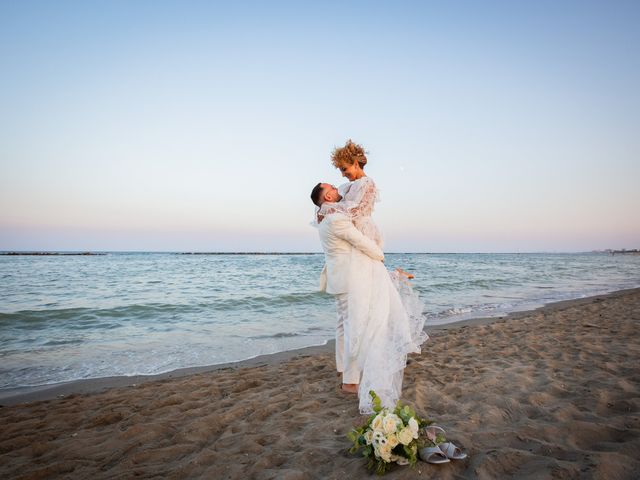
(551,393)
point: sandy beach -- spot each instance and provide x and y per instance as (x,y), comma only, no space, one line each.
(550,393)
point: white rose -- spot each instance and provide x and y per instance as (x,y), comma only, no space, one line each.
(393,440)
(384,452)
(396,418)
(413,426)
(377,423)
(368,436)
(390,425)
(405,436)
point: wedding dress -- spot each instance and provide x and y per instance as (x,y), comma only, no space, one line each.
(385,314)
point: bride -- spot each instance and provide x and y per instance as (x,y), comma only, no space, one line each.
(385,314)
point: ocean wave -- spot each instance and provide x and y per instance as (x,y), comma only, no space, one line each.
(313,331)
(284,300)
(461,285)
(88,318)
(476,309)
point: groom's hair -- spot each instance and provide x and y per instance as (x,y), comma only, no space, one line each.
(316,193)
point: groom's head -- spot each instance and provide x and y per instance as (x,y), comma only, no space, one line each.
(323,192)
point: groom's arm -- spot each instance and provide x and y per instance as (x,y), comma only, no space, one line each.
(344,229)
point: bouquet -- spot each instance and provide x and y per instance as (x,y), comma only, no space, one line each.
(388,437)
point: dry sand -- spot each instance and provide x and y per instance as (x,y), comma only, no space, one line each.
(552,393)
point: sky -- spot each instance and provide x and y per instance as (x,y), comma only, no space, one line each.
(203,126)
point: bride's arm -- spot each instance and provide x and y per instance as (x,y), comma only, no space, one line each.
(359,199)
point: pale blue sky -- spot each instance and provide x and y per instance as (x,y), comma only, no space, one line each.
(491,126)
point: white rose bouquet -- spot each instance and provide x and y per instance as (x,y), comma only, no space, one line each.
(388,437)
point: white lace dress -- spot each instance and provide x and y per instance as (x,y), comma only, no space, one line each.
(385,314)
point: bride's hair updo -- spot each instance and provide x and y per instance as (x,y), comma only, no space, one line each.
(348,155)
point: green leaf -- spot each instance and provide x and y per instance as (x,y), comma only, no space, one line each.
(407,450)
(377,403)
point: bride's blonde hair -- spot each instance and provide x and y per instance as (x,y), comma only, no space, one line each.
(348,155)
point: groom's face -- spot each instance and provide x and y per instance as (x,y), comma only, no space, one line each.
(330,193)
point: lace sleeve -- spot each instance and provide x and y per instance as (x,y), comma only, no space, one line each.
(359,200)
(327,208)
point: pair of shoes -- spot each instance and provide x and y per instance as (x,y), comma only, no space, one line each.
(442,452)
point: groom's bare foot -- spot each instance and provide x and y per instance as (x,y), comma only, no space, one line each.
(350,387)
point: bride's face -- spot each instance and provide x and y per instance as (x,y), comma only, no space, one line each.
(351,172)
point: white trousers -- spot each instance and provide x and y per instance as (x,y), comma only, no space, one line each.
(344,362)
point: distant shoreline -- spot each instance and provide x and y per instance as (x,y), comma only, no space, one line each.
(170,253)
(49,253)
(14,253)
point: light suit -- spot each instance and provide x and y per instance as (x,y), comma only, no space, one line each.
(338,237)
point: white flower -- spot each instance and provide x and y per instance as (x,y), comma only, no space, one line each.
(393,440)
(402,461)
(384,452)
(378,436)
(368,436)
(396,418)
(405,436)
(390,426)
(413,426)
(391,423)
(377,423)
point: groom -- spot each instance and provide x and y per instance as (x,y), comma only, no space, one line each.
(338,237)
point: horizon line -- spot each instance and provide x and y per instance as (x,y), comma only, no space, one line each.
(225,252)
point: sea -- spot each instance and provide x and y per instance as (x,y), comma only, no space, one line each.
(68,317)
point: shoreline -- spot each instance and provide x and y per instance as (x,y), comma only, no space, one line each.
(22,395)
